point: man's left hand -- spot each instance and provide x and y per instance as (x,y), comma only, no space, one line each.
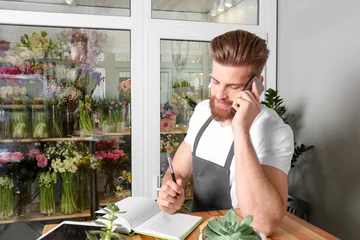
(247,106)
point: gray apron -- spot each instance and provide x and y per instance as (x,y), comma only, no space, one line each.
(211,181)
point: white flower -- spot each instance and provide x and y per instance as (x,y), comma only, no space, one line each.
(40,54)
(13,59)
(24,53)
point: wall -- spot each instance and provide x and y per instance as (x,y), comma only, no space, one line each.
(318,64)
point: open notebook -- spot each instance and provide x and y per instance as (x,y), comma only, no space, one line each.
(144,216)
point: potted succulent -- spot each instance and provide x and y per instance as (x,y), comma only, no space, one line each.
(228,227)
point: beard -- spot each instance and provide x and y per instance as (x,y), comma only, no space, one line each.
(219,114)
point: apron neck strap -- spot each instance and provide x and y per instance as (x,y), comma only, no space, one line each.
(200,133)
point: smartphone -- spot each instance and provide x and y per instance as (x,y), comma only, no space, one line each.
(259,85)
(248,86)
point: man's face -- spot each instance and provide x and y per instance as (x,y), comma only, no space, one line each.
(225,82)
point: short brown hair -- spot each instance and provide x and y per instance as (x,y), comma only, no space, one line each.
(239,48)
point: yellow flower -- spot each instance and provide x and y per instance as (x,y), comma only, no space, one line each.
(37,42)
(129,178)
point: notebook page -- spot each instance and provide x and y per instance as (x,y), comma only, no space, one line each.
(170,226)
(138,210)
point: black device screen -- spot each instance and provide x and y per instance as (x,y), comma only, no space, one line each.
(69,232)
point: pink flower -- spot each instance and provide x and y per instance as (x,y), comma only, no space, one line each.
(17,156)
(119,152)
(41,161)
(4,158)
(33,153)
(110,155)
(100,154)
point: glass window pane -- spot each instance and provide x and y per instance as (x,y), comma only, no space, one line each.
(64,88)
(184,71)
(97,7)
(220,11)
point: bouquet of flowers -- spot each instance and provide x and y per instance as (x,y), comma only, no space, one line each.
(187,100)
(9,93)
(87,80)
(35,46)
(168,143)
(167,117)
(69,98)
(87,164)
(24,169)
(85,45)
(111,161)
(47,180)
(125,89)
(85,121)
(6,197)
(65,158)
(123,185)
(109,112)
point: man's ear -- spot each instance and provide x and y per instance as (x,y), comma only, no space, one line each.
(261,78)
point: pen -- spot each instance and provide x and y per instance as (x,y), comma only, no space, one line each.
(171,168)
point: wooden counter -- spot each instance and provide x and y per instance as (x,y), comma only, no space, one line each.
(291,228)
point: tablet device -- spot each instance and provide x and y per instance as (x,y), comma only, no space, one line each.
(69,230)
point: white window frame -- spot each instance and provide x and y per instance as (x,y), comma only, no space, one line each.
(146,34)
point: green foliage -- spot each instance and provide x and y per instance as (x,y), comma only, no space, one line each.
(226,227)
(107,221)
(183,83)
(298,151)
(176,85)
(273,100)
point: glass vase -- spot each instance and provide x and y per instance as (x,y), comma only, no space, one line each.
(85,122)
(107,122)
(6,202)
(23,198)
(109,187)
(83,189)
(56,121)
(69,123)
(40,122)
(68,197)
(47,199)
(19,121)
(5,122)
(118,120)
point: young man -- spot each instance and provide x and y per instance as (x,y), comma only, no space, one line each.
(239,159)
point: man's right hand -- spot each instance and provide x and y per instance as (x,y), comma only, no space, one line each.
(171,196)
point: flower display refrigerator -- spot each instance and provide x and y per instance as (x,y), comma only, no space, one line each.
(90,91)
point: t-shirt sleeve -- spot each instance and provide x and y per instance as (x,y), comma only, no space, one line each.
(277,148)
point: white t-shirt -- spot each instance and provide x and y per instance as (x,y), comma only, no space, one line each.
(271,138)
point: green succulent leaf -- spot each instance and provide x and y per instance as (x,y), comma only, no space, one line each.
(91,236)
(209,233)
(116,234)
(247,231)
(100,223)
(216,227)
(230,218)
(240,227)
(247,220)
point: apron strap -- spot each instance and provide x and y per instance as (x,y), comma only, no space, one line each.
(229,157)
(200,133)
